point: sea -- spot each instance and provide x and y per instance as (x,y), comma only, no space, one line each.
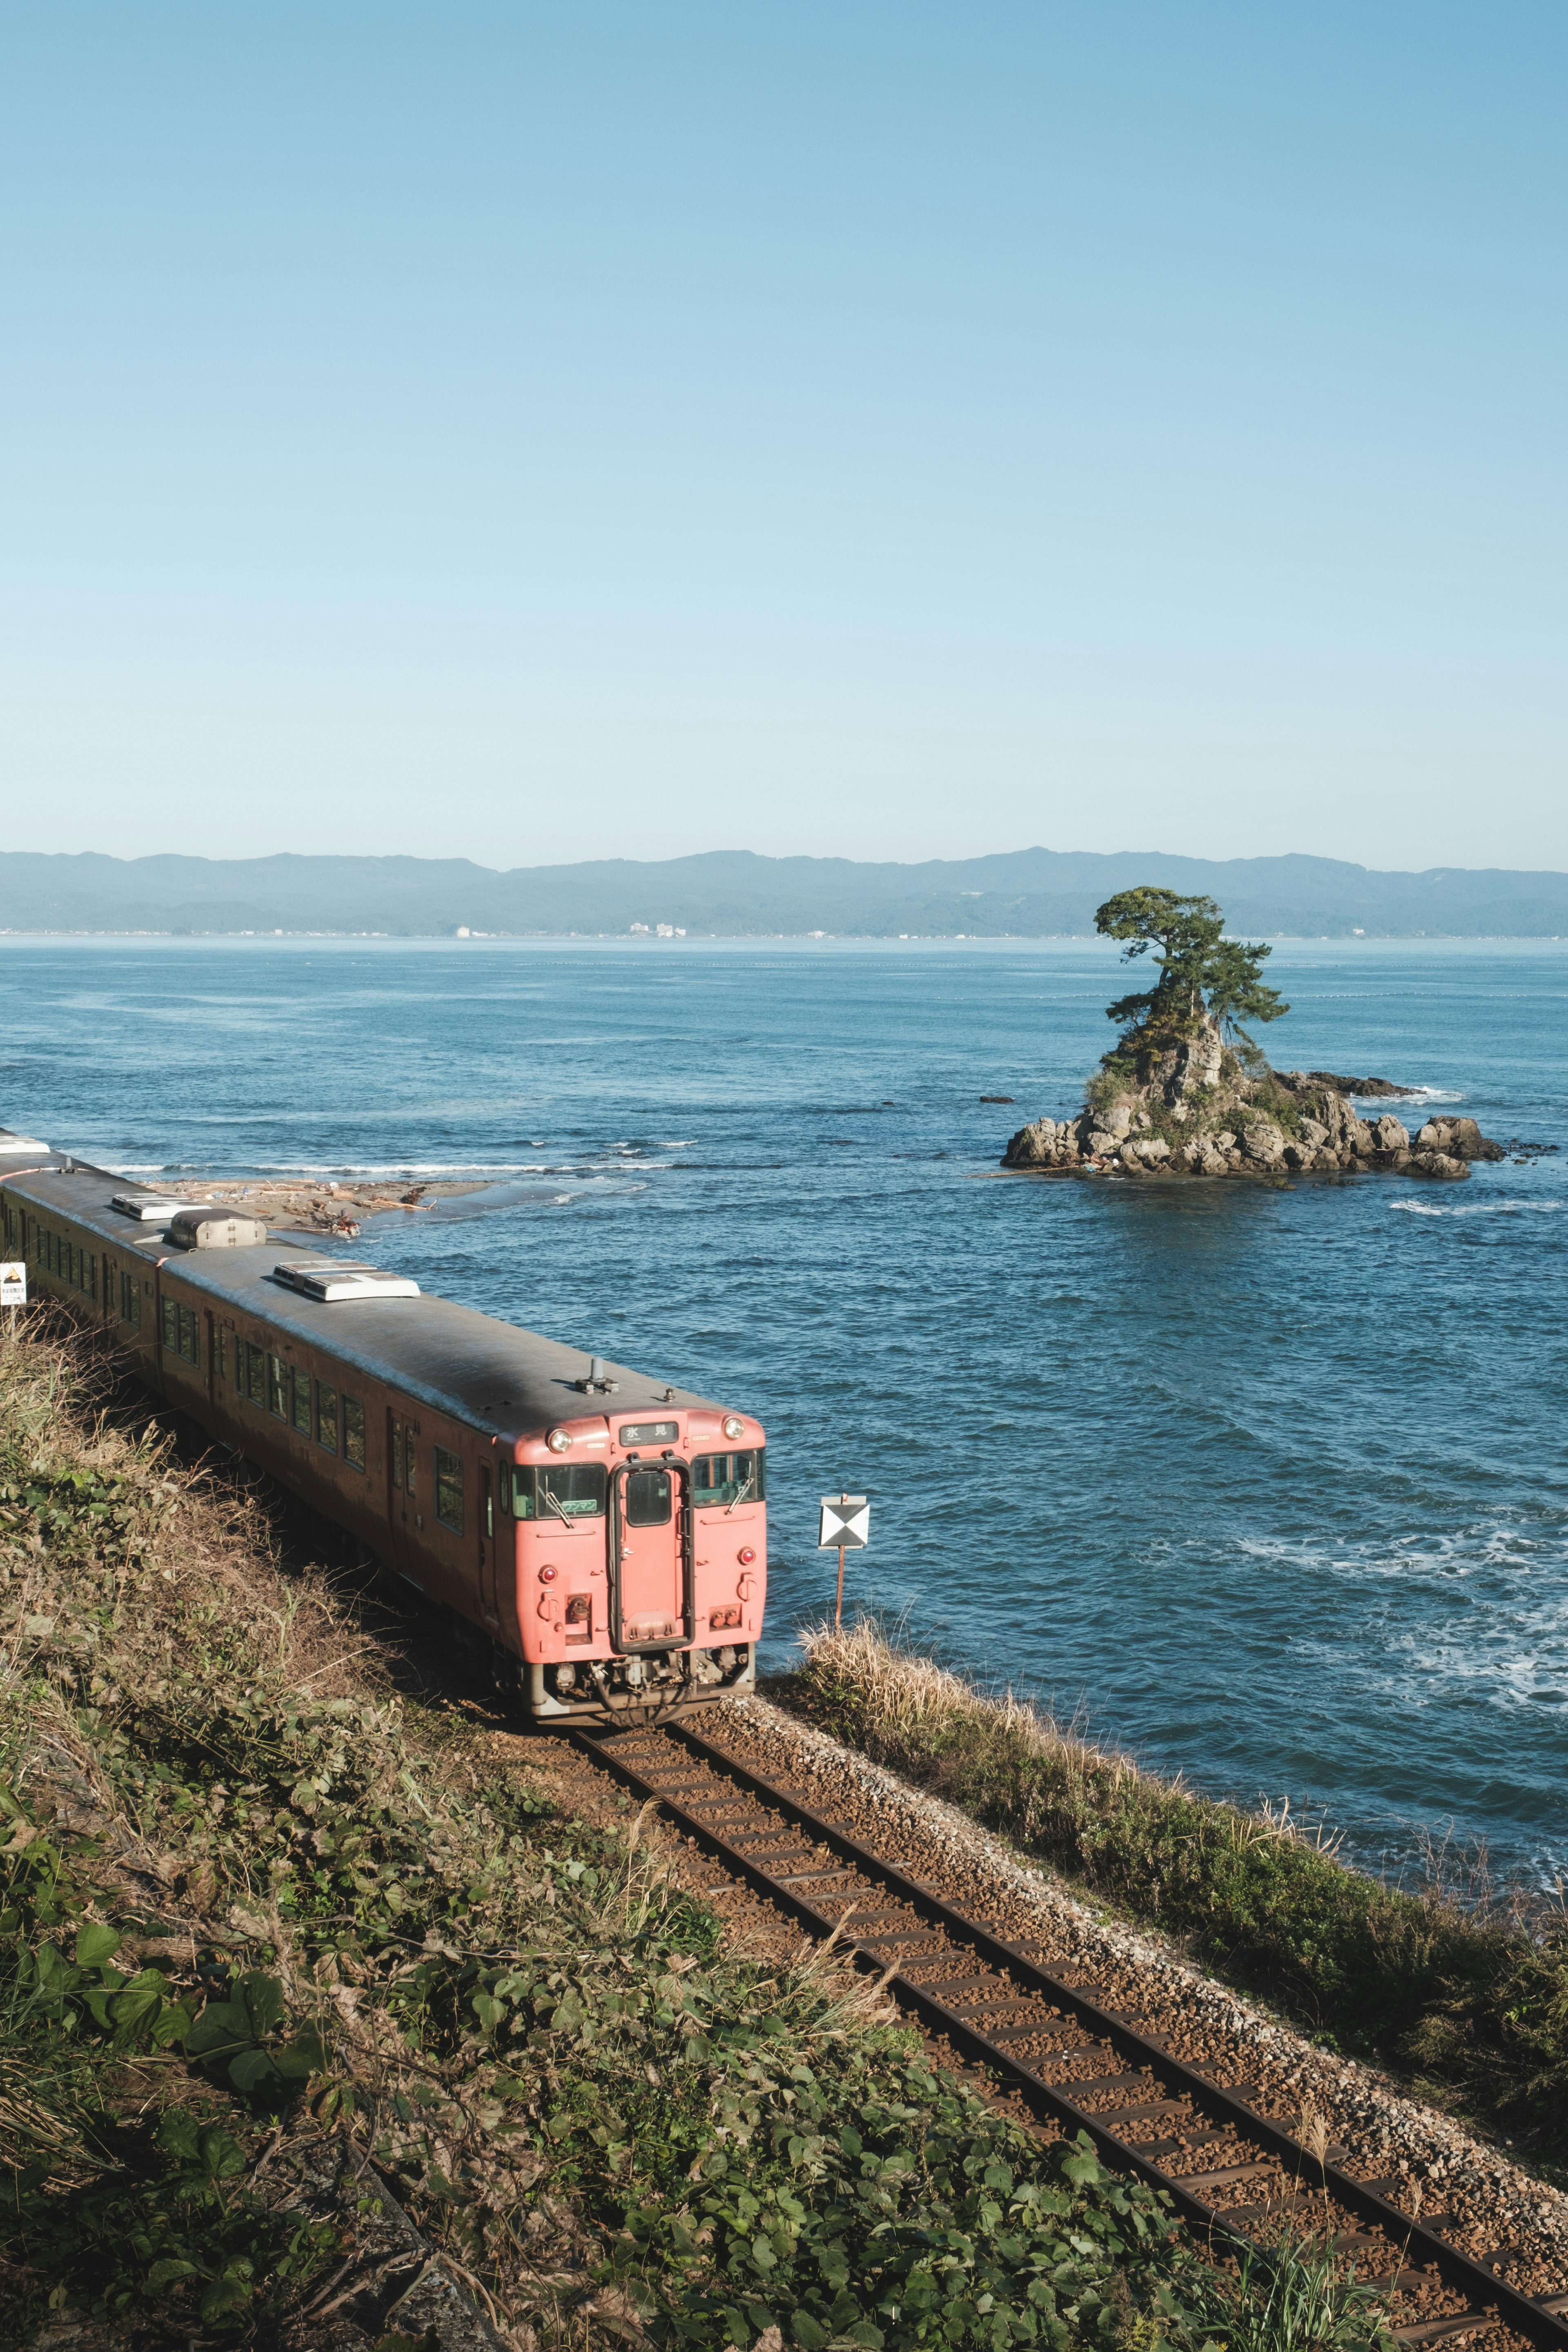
(1262,1483)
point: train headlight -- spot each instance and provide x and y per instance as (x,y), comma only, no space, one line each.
(733,1427)
(559,1440)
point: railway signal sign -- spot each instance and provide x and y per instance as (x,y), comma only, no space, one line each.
(14,1282)
(845,1527)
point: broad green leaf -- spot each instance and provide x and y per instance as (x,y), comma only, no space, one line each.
(251,2067)
(95,1944)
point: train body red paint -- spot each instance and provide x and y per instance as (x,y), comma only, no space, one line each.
(605,1536)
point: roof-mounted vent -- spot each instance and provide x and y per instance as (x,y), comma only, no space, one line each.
(334,1279)
(149,1209)
(207,1228)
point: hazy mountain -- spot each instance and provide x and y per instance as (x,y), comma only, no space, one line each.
(1024,894)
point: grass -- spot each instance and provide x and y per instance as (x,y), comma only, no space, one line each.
(1465,1990)
(262,1914)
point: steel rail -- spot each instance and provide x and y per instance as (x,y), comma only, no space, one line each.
(1495,2301)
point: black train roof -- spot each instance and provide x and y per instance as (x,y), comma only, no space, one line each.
(494,1375)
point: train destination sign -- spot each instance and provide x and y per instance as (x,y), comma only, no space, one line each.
(845,1522)
(14,1283)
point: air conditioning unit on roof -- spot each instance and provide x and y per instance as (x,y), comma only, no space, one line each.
(336,1278)
(150,1208)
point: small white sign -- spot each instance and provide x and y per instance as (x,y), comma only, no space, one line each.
(12,1283)
(845,1522)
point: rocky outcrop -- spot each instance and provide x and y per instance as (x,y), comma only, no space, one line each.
(1198,1110)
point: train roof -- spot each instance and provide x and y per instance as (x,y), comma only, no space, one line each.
(496,1376)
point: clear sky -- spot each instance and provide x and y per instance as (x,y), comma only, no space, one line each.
(853,426)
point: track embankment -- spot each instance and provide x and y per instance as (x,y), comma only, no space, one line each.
(333,2018)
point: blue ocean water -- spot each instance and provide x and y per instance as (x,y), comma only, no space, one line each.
(1266,1484)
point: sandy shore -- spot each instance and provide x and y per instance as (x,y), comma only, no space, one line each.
(307,1204)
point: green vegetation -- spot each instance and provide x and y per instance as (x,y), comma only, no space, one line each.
(1469,1997)
(258,1914)
(1201,972)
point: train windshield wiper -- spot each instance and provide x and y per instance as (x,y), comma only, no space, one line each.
(555,1506)
(740,1492)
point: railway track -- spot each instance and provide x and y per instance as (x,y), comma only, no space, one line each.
(1232,2174)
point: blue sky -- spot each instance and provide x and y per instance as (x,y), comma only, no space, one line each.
(526,433)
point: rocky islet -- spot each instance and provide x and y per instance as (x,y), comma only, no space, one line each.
(1200,1110)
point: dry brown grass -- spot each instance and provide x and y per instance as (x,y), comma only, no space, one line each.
(1463,1983)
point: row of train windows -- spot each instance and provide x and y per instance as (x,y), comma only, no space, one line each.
(66,1261)
(57,1254)
(313,1407)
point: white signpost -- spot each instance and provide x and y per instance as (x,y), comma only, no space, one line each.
(845,1527)
(13,1282)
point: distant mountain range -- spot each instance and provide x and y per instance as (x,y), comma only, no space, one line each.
(733,893)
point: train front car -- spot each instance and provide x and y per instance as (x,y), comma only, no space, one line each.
(640,1561)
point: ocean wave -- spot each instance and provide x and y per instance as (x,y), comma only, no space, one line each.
(1479,1208)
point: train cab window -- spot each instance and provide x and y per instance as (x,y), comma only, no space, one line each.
(278,1388)
(649,1500)
(326,1417)
(302,1387)
(449,1489)
(721,1479)
(353,1432)
(254,1375)
(559,1490)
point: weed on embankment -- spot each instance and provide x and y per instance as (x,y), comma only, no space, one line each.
(1469,1997)
(277,1948)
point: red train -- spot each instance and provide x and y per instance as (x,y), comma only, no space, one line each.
(605,1533)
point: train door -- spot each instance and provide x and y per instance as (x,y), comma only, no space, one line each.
(650,1554)
(404,1499)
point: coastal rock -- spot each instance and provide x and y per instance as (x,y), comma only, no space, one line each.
(1460,1137)
(1437,1163)
(1263,1142)
(1203,1110)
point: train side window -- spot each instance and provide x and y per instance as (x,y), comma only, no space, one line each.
(188,1347)
(93,1275)
(397,1453)
(353,1432)
(409,1451)
(170,1334)
(131,1301)
(326,1417)
(220,1352)
(724,1478)
(567,1490)
(487,1504)
(256,1375)
(278,1388)
(449,1489)
(301,1381)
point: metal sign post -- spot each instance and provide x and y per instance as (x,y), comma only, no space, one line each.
(845,1527)
(13,1285)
